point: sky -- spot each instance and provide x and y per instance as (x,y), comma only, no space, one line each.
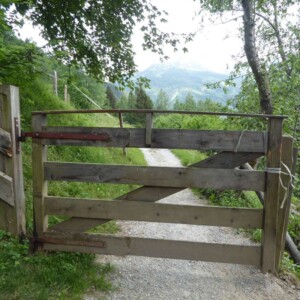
(212,48)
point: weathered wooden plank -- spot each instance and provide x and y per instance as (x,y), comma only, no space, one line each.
(154,212)
(156,176)
(224,160)
(218,140)
(272,196)
(77,224)
(12,218)
(40,185)
(6,189)
(112,245)
(5,143)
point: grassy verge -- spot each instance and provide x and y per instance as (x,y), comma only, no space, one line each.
(47,276)
(244,199)
(59,275)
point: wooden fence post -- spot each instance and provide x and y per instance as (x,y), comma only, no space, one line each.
(55,88)
(40,186)
(271,200)
(12,199)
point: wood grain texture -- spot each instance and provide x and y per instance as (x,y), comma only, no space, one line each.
(224,160)
(6,189)
(156,176)
(154,212)
(40,185)
(271,201)
(217,140)
(224,253)
(5,143)
(12,218)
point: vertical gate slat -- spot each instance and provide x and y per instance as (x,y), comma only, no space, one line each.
(12,218)
(40,186)
(272,196)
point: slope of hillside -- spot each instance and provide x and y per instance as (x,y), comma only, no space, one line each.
(178,80)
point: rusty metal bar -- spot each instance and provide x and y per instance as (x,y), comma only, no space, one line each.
(65,136)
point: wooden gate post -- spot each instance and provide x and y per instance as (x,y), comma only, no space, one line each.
(40,186)
(271,200)
(12,199)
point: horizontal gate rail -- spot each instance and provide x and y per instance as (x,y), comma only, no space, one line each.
(112,245)
(158,111)
(156,176)
(224,160)
(155,212)
(218,140)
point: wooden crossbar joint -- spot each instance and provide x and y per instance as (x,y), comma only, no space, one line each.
(149,125)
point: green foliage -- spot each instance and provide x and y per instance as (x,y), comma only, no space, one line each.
(138,100)
(188,157)
(287,265)
(47,276)
(294,228)
(189,103)
(96,34)
(17,59)
(143,101)
(111,98)
(162,101)
(189,122)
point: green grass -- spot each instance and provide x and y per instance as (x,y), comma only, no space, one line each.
(47,276)
(60,275)
(188,157)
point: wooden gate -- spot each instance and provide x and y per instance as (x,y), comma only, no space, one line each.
(234,148)
(12,201)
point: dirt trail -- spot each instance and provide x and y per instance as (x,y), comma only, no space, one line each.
(154,278)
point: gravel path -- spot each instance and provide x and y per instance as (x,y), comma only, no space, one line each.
(155,278)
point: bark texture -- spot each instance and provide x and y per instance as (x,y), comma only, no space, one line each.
(259,71)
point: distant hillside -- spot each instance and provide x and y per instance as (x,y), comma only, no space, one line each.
(177,81)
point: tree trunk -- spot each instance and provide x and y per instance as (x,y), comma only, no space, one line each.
(259,71)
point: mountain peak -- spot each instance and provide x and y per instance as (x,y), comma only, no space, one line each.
(178,79)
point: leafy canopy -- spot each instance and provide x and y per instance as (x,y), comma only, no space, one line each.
(96,34)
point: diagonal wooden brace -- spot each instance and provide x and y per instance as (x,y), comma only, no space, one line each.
(224,160)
